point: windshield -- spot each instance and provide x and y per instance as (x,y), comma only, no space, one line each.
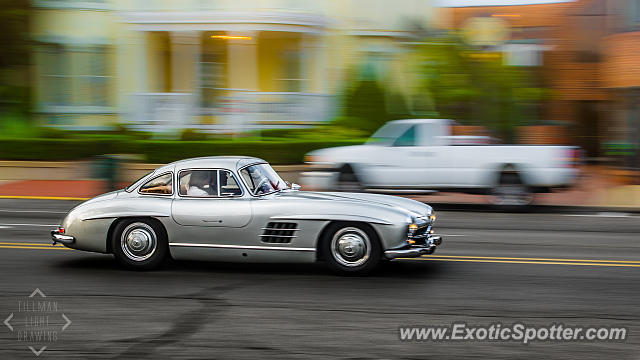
(261,179)
(388,133)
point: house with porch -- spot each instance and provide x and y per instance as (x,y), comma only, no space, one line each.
(215,65)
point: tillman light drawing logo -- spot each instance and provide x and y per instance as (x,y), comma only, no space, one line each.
(37,321)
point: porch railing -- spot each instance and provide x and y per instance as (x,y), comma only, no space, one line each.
(233,110)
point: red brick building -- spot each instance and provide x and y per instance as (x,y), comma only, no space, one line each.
(587,52)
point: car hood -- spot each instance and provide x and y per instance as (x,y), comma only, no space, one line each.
(408,206)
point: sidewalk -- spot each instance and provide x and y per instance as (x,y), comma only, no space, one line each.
(596,187)
(52,189)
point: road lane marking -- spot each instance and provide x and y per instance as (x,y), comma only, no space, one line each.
(525,262)
(24,243)
(530,259)
(455,258)
(42,197)
(604,214)
(49,225)
(33,211)
(35,247)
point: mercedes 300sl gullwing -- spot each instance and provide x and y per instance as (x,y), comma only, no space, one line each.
(239,209)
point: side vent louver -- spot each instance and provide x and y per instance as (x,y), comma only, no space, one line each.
(279,232)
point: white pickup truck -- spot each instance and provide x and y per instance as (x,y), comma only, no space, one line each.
(420,155)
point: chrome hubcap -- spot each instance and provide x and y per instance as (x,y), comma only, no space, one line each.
(138,241)
(351,247)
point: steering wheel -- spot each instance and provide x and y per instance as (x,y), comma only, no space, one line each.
(262,182)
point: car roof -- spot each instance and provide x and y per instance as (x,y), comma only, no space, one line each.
(226,162)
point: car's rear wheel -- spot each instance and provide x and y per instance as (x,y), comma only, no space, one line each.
(139,243)
(351,248)
(511,193)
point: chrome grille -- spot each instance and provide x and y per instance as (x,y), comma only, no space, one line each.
(279,232)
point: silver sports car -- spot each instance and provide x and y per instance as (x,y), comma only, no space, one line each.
(239,209)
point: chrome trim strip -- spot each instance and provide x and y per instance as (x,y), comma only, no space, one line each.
(247,247)
(329,217)
(118,215)
(282,236)
(268,228)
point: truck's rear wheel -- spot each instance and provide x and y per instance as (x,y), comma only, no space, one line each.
(511,193)
(348,181)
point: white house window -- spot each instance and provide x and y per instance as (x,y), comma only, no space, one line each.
(56,82)
(73,75)
(292,80)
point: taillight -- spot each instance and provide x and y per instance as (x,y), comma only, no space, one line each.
(574,157)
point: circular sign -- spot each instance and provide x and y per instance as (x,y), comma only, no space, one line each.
(485,31)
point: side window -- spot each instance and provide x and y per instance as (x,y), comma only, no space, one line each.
(198,183)
(159,185)
(408,138)
(228,184)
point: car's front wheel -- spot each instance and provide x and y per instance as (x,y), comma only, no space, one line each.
(351,248)
(139,243)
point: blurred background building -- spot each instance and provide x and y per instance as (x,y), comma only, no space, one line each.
(218,65)
(587,52)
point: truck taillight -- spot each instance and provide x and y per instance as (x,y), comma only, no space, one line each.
(574,157)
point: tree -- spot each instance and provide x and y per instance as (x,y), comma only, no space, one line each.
(476,88)
(15,50)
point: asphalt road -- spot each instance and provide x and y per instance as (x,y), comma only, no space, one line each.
(571,268)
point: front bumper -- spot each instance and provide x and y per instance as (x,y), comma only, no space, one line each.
(415,250)
(56,237)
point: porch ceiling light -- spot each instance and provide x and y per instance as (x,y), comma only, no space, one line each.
(230,37)
(506,15)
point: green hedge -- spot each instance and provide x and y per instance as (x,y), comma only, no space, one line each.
(280,151)
(57,149)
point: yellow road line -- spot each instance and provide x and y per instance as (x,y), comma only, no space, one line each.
(530,259)
(458,258)
(34,247)
(42,197)
(526,262)
(31,244)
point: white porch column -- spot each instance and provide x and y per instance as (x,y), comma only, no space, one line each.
(315,63)
(185,53)
(140,50)
(242,61)
(314,71)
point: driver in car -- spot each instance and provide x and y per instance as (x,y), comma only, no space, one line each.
(202,183)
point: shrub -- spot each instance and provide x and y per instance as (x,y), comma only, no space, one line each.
(192,135)
(282,151)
